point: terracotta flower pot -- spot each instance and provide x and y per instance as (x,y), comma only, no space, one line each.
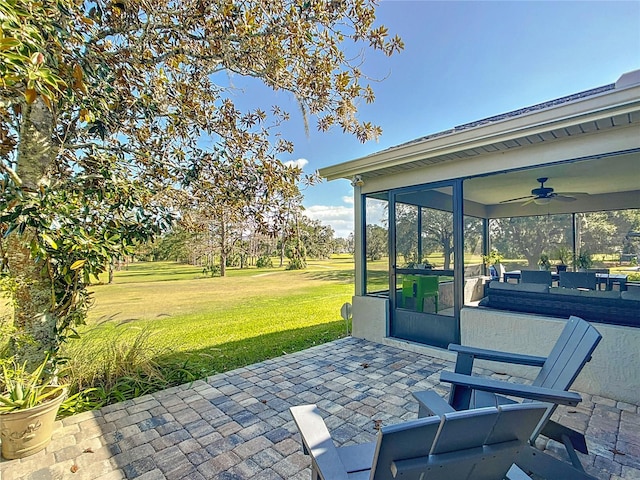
(25,432)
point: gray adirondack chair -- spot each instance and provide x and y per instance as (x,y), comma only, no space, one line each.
(475,444)
(571,352)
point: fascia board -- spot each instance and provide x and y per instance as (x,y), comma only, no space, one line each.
(591,109)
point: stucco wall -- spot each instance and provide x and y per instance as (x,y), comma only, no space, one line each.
(370,318)
(613,372)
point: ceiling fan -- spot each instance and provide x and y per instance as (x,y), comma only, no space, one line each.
(544,195)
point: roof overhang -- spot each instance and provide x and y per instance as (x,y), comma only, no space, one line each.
(614,108)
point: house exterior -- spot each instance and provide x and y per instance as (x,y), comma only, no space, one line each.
(436,189)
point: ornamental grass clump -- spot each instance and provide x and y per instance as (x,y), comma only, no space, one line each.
(125,366)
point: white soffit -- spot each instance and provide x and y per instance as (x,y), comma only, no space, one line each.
(594,111)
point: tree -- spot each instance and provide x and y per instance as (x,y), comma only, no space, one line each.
(103,104)
(437,230)
(437,233)
(230,194)
(376,241)
(174,245)
(343,245)
(530,237)
(407,232)
(317,238)
(607,232)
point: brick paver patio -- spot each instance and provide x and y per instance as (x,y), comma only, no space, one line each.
(237,425)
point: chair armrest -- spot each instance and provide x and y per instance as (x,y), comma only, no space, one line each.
(430,403)
(541,394)
(318,443)
(496,356)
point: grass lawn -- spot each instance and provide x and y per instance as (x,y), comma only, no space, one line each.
(216,324)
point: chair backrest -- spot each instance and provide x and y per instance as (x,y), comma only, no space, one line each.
(578,280)
(408,281)
(536,276)
(480,443)
(569,355)
(427,283)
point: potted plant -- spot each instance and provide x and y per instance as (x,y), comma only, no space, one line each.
(492,259)
(582,261)
(29,403)
(544,262)
(563,253)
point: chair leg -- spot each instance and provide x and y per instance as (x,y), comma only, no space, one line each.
(573,456)
(557,431)
(315,475)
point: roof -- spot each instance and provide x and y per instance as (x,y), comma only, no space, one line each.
(514,113)
(581,113)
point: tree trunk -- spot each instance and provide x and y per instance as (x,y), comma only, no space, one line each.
(35,325)
(282,247)
(447,251)
(223,249)
(33,293)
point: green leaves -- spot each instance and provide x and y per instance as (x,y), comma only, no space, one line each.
(74,228)
(78,264)
(130,103)
(49,241)
(24,389)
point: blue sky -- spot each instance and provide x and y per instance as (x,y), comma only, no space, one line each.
(464,61)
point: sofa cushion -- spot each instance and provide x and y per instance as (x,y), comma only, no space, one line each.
(612,294)
(593,306)
(519,287)
(631,294)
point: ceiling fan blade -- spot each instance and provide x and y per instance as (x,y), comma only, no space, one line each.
(516,199)
(572,194)
(543,195)
(563,198)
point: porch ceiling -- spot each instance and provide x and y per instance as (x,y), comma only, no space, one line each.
(610,182)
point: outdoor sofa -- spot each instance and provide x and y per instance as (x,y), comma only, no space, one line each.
(613,307)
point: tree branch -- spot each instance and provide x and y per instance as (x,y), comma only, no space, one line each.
(14,176)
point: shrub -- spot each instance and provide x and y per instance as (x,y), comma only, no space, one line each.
(297,264)
(264,262)
(563,253)
(212,270)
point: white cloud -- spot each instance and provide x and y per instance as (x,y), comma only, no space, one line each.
(340,218)
(300,163)
(348,200)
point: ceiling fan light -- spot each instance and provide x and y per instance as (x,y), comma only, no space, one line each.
(542,201)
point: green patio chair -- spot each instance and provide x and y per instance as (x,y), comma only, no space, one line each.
(418,287)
